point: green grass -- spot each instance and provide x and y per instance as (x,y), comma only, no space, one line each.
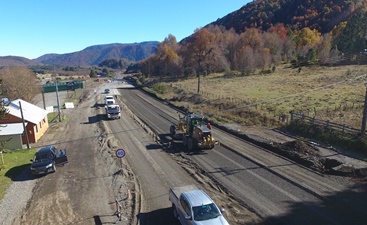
(331,93)
(12,163)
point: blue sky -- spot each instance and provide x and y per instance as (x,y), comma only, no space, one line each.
(32,28)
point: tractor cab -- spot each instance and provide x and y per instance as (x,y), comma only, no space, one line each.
(193,120)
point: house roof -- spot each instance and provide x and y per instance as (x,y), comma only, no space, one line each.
(31,113)
(11,128)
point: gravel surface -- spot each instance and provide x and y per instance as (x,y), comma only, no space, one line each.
(16,198)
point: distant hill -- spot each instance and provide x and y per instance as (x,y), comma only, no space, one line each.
(321,15)
(96,54)
(6,61)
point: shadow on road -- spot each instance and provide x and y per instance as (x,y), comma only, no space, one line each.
(158,217)
(96,118)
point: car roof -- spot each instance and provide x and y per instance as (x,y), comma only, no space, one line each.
(197,198)
(45,149)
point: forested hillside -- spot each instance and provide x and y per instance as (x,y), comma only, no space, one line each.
(265,33)
(6,61)
(96,54)
(322,15)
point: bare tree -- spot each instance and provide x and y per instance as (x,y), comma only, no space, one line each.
(19,82)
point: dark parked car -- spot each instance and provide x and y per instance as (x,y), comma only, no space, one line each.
(46,159)
(107,91)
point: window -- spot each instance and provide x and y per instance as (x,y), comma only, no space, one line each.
(185,206)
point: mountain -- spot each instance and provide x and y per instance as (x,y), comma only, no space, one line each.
(322,15)
(95,54)
(17,61)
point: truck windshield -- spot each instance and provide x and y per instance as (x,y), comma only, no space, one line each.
(205,212)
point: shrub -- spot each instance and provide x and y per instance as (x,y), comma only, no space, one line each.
(160,88)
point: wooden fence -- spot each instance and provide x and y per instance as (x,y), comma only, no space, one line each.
(327,124)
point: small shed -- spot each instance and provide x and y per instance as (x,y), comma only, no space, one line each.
(11,135)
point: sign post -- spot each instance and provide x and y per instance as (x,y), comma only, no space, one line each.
(120,153)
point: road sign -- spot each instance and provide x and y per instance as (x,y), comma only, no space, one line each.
(120,153)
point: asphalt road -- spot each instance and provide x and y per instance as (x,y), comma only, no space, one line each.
(280,191)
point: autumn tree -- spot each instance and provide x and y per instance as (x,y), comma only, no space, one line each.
(19,82)
(229,47)
(167,52)
(199,48)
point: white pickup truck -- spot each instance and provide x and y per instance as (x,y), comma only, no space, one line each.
(113,111)
(192,206)
(109,100)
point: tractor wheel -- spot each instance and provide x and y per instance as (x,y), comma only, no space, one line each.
(191,144)
(184,140)
(172,130)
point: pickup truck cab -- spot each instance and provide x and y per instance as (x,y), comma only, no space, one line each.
(192,206)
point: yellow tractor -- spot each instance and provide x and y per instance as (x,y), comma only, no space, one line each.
(196,133)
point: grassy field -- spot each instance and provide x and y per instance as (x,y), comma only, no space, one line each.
(12,163)
(331,93)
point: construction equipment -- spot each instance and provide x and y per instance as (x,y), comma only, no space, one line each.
(196,133)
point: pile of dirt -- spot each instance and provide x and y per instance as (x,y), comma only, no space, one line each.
(308,155)
(298,149)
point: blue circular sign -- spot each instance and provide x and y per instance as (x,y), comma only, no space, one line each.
(120,153)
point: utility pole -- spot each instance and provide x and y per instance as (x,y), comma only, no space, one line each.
(43,100)
(24,128)
(58,102)
(363,130)
(198,73)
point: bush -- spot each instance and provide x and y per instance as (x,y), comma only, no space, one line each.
(160,88)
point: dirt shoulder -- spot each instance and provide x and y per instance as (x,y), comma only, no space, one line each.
(87,188)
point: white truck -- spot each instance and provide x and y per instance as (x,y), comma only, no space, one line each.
(113,111)
(192,206)
(109,100)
